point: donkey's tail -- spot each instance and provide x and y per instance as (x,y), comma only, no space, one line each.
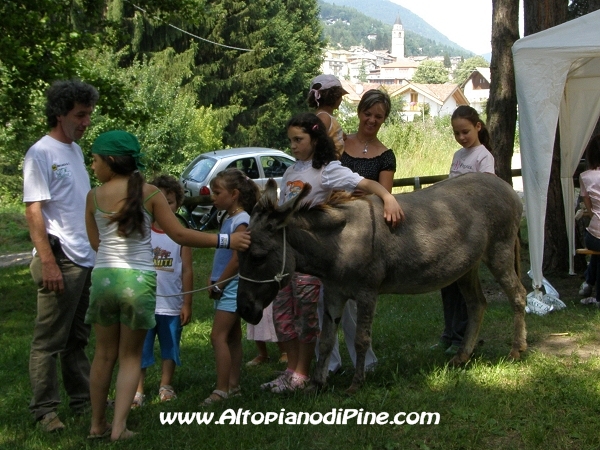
(518,255)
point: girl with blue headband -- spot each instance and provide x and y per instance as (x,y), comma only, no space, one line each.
(119,214)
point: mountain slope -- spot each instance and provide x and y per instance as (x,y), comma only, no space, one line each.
(386,11)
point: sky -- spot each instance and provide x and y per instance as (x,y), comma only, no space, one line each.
(466,22)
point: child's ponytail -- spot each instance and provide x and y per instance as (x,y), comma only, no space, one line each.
(230,179)
(130,217)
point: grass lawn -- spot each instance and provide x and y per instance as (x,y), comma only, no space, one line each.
(550,399)
(14,234)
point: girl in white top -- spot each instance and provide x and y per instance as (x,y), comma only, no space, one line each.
(469,131)
(122,299)
(589,182)
(316,164)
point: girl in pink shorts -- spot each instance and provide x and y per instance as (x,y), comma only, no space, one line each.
(295,307)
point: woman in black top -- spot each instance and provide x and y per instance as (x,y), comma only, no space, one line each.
(363,152)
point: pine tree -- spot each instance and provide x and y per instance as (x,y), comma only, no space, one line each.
(259,82)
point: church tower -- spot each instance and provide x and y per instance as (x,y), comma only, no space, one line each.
(398,39)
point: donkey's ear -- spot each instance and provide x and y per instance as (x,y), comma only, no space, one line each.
(293,204)
(269,197)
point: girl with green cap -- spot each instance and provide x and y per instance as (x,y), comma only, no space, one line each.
(123,293)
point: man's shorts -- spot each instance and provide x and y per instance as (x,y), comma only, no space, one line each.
(126,296)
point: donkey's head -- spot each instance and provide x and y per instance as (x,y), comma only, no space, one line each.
(263,269)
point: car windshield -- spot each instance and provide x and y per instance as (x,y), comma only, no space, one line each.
(275,166)
(199,171)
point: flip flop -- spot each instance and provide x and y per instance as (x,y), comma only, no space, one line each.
(101,435)
(126,434)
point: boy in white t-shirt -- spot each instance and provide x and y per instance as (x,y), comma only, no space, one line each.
(173,264)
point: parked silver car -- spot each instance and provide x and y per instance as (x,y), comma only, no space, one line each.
(257,163)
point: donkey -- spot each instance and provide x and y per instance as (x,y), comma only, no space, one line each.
(449,229)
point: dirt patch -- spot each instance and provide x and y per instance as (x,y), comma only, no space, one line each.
(565,345)
(15,259)
(556,344)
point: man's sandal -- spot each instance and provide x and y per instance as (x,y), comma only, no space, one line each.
(210,400)
(166,393)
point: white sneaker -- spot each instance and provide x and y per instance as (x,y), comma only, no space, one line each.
(537,306)
(553,301)
(589,301)
(585,290)
(281,380)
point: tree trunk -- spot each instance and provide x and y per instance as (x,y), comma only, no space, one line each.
(593,5)
(502,104)
(540,15)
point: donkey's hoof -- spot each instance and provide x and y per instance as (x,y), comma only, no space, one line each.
(514,355)
(459,359)
(353,389)
(315,387)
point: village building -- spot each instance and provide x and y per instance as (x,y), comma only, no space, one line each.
(360,70)
(477,88)
(418,99)
(398,39)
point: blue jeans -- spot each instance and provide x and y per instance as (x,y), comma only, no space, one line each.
(59,332)
(592,277)
(455,315)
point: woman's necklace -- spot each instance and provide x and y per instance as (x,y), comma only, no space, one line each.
(367,142)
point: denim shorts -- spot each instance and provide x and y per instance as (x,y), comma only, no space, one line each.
(126,296)
(228,301)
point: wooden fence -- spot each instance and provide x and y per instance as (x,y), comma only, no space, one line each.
(415,182)
(418,182)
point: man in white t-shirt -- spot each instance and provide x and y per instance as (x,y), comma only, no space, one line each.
(55,184)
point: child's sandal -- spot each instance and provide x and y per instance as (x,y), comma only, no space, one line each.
(260,359)
(166,393)
(221,395)
(138,400)
(235,392)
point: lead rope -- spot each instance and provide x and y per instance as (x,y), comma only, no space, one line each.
(277,278)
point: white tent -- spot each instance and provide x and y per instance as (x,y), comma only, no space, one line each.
(557,74)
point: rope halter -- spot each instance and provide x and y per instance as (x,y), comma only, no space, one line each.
(279,276)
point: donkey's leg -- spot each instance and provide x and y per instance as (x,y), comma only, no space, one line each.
(365,304)
(502,265)
(333,307)
(470,287)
